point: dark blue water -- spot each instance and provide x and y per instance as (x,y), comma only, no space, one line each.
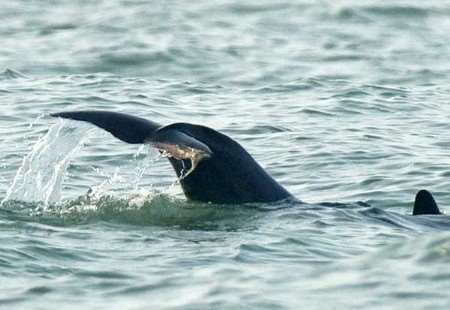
(345,103)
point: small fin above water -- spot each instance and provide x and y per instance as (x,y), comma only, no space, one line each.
(425,204)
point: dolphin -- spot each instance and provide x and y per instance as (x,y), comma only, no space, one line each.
(210,166)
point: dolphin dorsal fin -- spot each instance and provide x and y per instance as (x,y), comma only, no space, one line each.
(425,204)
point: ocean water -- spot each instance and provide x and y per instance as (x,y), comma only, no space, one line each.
(345,103)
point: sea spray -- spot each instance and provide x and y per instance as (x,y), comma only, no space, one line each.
(41,174)
(125,180)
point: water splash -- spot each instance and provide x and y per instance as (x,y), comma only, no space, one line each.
(125,180)
(42,171)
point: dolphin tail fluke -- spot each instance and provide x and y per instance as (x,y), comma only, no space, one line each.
(425,204)
(128,128)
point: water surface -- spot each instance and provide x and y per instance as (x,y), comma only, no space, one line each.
(345,103)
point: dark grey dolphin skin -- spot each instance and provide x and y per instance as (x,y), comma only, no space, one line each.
(425,204)
(211,167)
